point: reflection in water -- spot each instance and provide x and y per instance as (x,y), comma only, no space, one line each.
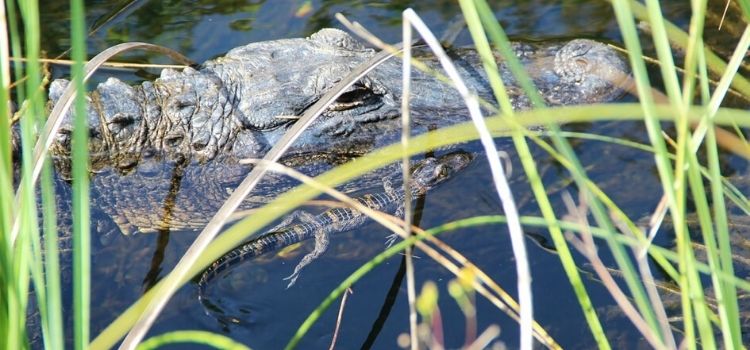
(169,201)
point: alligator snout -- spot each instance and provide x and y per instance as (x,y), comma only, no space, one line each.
(589,72)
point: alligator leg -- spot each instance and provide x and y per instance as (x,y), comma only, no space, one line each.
(321,245)
(300,215)
(391,192)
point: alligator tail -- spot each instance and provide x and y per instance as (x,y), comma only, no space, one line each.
(270,242)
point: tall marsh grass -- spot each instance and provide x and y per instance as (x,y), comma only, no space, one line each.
(692,103)
(20,227)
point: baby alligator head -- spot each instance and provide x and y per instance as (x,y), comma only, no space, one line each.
(434,171)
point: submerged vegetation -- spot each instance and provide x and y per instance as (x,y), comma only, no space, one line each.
(688,162)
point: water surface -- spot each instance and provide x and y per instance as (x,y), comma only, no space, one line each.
(258,310)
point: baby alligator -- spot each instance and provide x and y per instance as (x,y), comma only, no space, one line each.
(426,175)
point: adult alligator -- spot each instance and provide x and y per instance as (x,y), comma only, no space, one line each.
(238,105)
(241,103)
(426,174)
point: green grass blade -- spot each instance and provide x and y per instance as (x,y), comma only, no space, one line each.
(53,339)
(16,41)
(27,254)
(6,185)
(47,292)
(728,306)
(193,337)
(8,277)
(689,281)
(81,234)
(666,173)
(721,257)
(6,171)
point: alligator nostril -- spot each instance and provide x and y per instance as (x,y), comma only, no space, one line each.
(582,63)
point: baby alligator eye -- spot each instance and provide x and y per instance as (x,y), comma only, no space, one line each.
(441,172)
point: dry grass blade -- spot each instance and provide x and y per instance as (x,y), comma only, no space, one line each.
(498,176)
(363,33)
(503,301)
(212,228)
(718,96)
(484,339)
(584,243)
(644,269)
(405,131)
(338,319)
(724,14)
(724,138)
(654,223)
(63,62)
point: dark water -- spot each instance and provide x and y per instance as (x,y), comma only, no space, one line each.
(255,294)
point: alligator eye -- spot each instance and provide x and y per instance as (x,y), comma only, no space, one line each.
(358,95)
(441,172)
(445,171)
